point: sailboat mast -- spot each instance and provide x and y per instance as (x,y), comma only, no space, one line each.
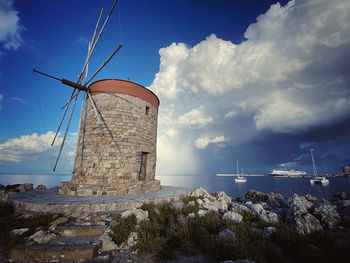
(313,161)
(237,167)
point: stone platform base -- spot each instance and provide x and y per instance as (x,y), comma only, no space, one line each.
(138,187)
(50,201)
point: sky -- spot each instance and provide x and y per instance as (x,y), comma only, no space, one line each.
(262,82)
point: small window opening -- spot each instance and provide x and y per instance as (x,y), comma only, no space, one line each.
(147,110)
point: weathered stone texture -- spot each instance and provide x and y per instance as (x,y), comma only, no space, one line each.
(112,164)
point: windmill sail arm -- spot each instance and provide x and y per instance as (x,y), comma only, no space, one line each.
(74,85)
(94,45)
(104,64)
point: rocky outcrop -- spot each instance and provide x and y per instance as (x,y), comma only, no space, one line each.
(256,196)
(306,223)
(306,213)
(327,214)
(40,187)
(200,192)
(234,216)
(139,213)
(299,216)
(7,191)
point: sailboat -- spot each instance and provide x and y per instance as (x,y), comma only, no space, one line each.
(240,178)
(317,179)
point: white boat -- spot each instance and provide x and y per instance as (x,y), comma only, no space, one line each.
(317,179)
(287,173)
(240,179)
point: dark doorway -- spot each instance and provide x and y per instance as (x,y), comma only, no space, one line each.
(143,168)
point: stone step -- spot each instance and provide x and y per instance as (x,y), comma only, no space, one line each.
(54,253)
(80,231)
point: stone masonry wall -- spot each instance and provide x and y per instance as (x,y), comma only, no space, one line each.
(104,165)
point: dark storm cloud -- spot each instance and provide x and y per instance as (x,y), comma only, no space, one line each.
(264,100)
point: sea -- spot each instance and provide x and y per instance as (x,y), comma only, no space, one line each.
(212,183)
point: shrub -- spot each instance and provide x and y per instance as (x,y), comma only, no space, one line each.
(123,228)
(9,222)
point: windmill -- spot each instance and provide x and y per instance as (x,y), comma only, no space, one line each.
(131,114)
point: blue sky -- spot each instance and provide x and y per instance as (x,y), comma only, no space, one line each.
(258,81)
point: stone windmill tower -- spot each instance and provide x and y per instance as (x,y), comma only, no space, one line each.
(116,150)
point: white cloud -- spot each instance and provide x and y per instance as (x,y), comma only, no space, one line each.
(230,114)
(196,117)
(10,27)
(19,100)
(202,143)
(26,146)
(36,151)
(289,75)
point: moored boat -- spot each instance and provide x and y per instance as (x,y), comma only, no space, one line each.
(287,173)
(319,180)
(240,179)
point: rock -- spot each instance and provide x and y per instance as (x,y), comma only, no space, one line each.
(40,187)
(199,201)
(42,237)
(222,196)
(25,187)
(248,204)
(210,206)
(200,192)
(275,200)
(266,216)
(215,205)
(3,196)
(343,196)
(269,230)
(257,209)
(107,242)
(307,223)
(202,212)
(298,204)
(256,196)
(272,217)
(327,214)
(177,204)
(19,231)
(191,215)
(227,233)
(310,198)
(132,239)
(236,217)
(266,206)
(192,203)
(139,213)
(238,208)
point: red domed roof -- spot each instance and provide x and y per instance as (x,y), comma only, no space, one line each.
(124,87)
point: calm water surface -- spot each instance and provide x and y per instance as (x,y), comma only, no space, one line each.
(211,182)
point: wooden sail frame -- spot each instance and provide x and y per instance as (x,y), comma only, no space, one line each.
(81,85)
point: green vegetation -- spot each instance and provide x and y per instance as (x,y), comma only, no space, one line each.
(170,231)
(9,221)
(122,228)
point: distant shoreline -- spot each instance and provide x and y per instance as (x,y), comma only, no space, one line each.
(287,176)
(241,175)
